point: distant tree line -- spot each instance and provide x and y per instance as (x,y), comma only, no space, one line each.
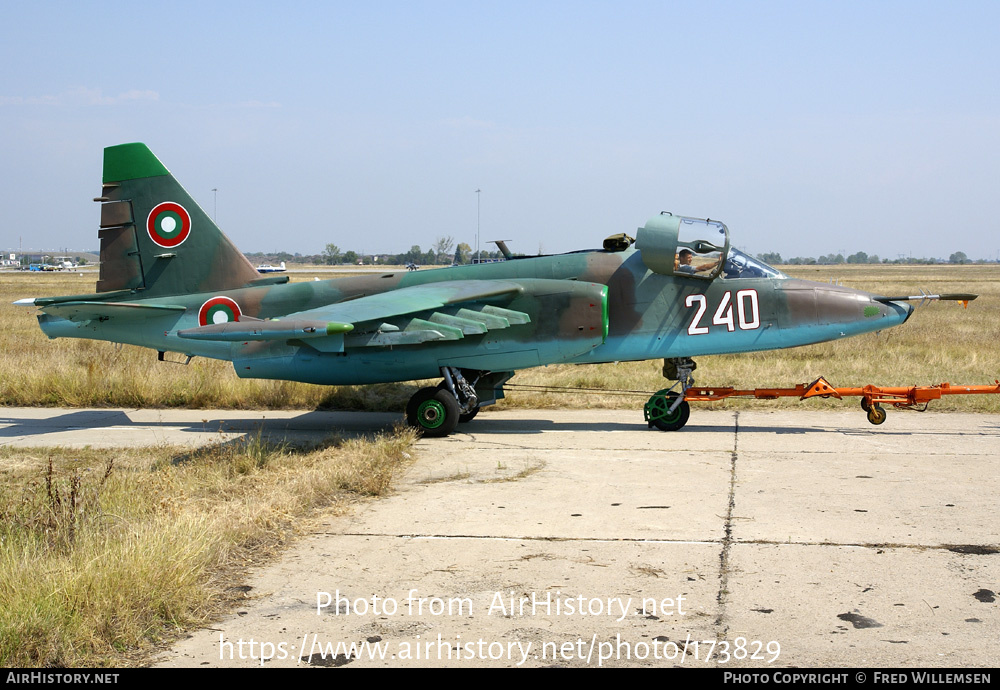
(862,258)
(444,252)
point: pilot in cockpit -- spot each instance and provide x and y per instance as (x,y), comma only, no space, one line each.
(684,263)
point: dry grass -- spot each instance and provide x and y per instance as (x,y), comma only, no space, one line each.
(101,559)
(941,342)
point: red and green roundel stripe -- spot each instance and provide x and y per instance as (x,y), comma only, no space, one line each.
(218,310)
(168,224)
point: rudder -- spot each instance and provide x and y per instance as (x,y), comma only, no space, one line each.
(155,238)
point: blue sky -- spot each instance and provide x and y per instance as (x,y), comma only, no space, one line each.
(808,127)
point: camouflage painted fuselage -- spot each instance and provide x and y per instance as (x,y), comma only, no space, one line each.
(647,317)
(171,281)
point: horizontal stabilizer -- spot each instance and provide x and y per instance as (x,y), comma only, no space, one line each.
(88,311)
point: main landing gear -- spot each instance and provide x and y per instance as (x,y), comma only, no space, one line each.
(437,411)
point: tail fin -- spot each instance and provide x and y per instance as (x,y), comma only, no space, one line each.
(155,238)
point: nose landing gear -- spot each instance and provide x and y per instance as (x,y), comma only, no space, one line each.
(663,412)
(667,410)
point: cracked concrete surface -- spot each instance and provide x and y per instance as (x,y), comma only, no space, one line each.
(806,538)
(576,538)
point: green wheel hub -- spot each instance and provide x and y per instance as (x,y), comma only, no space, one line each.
(433,411)
(431,414)
(657,411)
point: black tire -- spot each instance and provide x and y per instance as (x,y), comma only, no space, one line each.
(468,416)
(876,415)
(433,411)
(657,410)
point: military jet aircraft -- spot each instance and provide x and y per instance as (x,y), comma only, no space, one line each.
(170,280)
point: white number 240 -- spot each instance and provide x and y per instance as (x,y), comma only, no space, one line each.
(747,312)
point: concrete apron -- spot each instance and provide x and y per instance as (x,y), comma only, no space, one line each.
(580,538)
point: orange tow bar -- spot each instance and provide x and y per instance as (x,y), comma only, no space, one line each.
(872,397)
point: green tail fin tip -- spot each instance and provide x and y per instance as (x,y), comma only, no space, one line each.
(131,162)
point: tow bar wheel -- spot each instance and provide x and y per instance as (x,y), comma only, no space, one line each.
(876,414)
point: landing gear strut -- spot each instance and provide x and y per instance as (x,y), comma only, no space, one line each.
(667,410)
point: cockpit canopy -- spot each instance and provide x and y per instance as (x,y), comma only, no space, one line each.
(676,245)
(692,247)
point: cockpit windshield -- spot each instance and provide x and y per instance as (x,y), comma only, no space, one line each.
(739,265)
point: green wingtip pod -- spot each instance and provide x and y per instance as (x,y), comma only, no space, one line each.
(333,327)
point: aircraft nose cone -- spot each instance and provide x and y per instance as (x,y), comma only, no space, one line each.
(905,307)
(878,308)
(875,313)
(848,310)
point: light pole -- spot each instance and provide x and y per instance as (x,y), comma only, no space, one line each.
(477,225)
(215,206)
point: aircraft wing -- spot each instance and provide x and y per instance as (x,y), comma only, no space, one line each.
(336,319)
